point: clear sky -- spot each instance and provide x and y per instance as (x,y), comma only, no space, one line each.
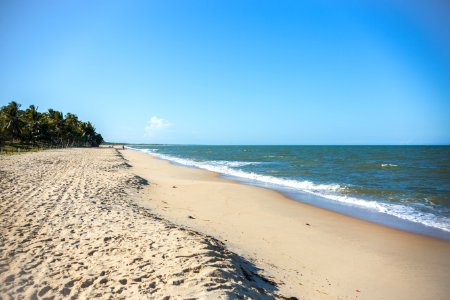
(235,72)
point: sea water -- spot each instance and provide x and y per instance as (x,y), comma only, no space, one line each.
(405,187)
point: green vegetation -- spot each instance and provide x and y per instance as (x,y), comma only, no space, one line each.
(30,129)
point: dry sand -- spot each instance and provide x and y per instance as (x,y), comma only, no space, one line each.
(70,227)
(313,253)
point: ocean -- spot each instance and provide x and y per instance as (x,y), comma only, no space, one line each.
(405,187)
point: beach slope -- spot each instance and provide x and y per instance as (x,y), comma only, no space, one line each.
(317,254)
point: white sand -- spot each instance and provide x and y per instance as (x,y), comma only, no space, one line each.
(70,228)
(334,257)
(81,223)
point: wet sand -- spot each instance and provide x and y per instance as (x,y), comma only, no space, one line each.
(311,252)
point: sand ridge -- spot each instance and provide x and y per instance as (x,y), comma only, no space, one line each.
(70,228)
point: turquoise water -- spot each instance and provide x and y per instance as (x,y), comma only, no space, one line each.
(401,186)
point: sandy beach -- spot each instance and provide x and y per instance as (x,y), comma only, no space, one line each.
(108,223)
(293,150)
(70,228)
(314,253)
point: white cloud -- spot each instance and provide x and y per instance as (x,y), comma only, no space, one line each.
(155,125)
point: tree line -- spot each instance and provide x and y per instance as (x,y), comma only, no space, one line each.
(45,129)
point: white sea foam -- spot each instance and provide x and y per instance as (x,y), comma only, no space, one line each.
(388,165)
(327,191)
(232,164)
(148,150)
(400,211)
(226,168)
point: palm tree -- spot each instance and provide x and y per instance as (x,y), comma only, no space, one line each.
(3,135)
(13,124)
(56,124)
(88,133)
(47,129)
(98,139)
(72,132)
(32,119)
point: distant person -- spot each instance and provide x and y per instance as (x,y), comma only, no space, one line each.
(123,147)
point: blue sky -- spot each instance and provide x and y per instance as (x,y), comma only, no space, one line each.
(235,72)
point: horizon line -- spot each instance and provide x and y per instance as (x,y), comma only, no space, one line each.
(187,144)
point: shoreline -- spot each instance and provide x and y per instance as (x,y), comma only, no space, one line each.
(359,213)
(354,211)
(316,252)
